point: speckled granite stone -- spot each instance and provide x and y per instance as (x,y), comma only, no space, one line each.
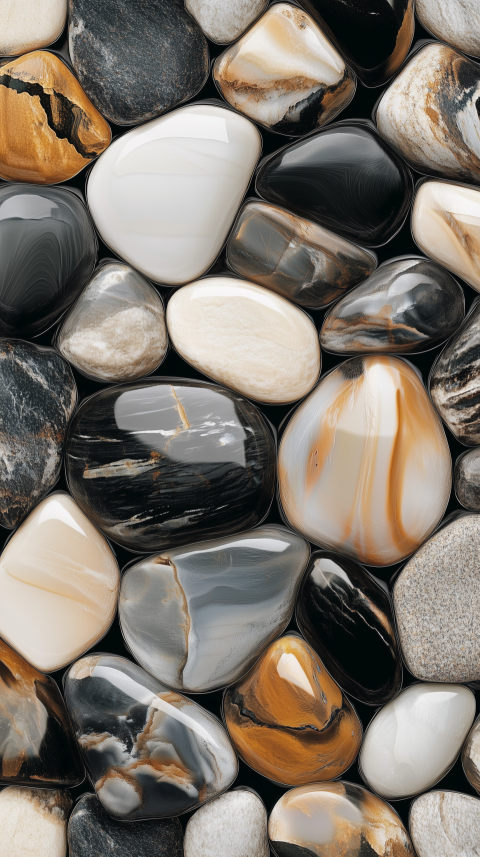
(224,21)
(471,756)
(232,825)
(445,824)
(467,479)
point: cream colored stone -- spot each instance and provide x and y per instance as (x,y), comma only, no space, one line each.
(224,21)
(445,824)
(33,822)
(29,24)
(246,337)
(232,825)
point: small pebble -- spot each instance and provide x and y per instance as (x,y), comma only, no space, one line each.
(224,21)
(232,825)
(29,24)
(445,824)
(33,822)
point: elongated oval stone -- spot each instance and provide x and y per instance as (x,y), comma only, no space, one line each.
(289,720)
(245,337)
(27,24)
(445,824)
(159,462)
(467,480)
(222,21)
(364,466)
(454,21)
(406,305)
(34,821)
(150,752)
(234,823)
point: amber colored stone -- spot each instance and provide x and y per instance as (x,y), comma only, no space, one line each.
(289,720)
(49,130)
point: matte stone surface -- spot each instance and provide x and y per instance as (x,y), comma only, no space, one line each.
(346,617)
(294,257)
(406,305)
(150,752)
(471,756)
(37,398)
(454,21)
(29,24)
(136,60)
(198,617)
(234,824)
(344,177)
(48,251)
(34,822)
(159,462)
(224,21)
(445,824)
(94,833)
(467,480)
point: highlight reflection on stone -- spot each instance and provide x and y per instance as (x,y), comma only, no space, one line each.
(406,305)
(445,824)
(471,756)
(336,820)
(150,752)
(198,617)
(285,74)
(289,720)
(467,479)
(364,467)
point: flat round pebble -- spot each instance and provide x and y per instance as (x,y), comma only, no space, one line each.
(471,756)
(33,822)
(29,24)
(232,825)
(445,824)
(467,479)
(224,21)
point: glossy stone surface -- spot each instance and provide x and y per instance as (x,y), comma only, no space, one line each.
(407,305)
(37,398)
(445,824)
(34,822)
(58,585)
(289,720)
(165,195)
(414,740)
(246,338)
(234,824)
(471,756)
(48,251)
(429,114)
(346,617)
(116,331)
(467,480)
(92,832)
(158,463)
(136,60)
(49,130)
(29,24)
(285,74)
(150,752)
(345,178)
(454,21)
(198,617)
(224,21)
(294,257)
(437,605)
(364,466)
(336,820)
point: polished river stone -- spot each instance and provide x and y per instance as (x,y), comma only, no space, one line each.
(364,467)
(234,824)
(471,756)
(223,22)
(27,24)
(34,822)
(198,617)
(344,177)
(406,305)
(467,480)
(347,618)
(445,824)
(150,752)
(158,463)
(454,21)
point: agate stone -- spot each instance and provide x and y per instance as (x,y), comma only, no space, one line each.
(454,21)
(198,617)
(34,822)
(289,720)
(445,824)
(344,177)
(471,756)
(159,462)
(29,24)
(467,480)
(224,21)
(346,617)
(234,824)
(150,752)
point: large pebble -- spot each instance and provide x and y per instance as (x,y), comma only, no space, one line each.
(33,822)
(232,825)
(445,824)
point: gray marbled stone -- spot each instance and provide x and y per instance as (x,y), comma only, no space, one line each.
(467,480)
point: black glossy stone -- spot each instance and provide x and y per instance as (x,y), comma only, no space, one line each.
(346,178)
(136,60)
(48,251)
(467,479)
(164,462)
(346,617)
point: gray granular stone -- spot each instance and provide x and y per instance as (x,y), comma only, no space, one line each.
(445,824)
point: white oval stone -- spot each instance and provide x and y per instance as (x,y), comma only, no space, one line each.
(445,824)
(232,825)
(245,337)
(26,25)
(414,740)
(164,196)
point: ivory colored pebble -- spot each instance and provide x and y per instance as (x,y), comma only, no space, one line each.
(232,825)
(454,21)
(245,337)
(29,24)
(33,822)
(224,21)
(445,824)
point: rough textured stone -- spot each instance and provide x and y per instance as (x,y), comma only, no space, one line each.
(33,822)
(454,21)
(232,825)
(29,24)
(224,21)
(471,756)
(445,824)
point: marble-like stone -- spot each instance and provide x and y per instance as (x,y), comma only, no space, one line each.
(364,467)
(164,196)
(294,257)
(445,824)
(116,331)
(198,617)
(289,720)
(344,177)
(38,396)
(407,305)
(429,114)
(232,825)
(437,605)
(29,24)
(336,820)
(245,337)
(446,226)
(471,756)
(49,130)
(59,583)
(92,832)
(136,60)
(454,21)
(33,822)
(161,462)
(347,618)
(150,752)
(467,480)
(223,21)
(285,74)
(413,741)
